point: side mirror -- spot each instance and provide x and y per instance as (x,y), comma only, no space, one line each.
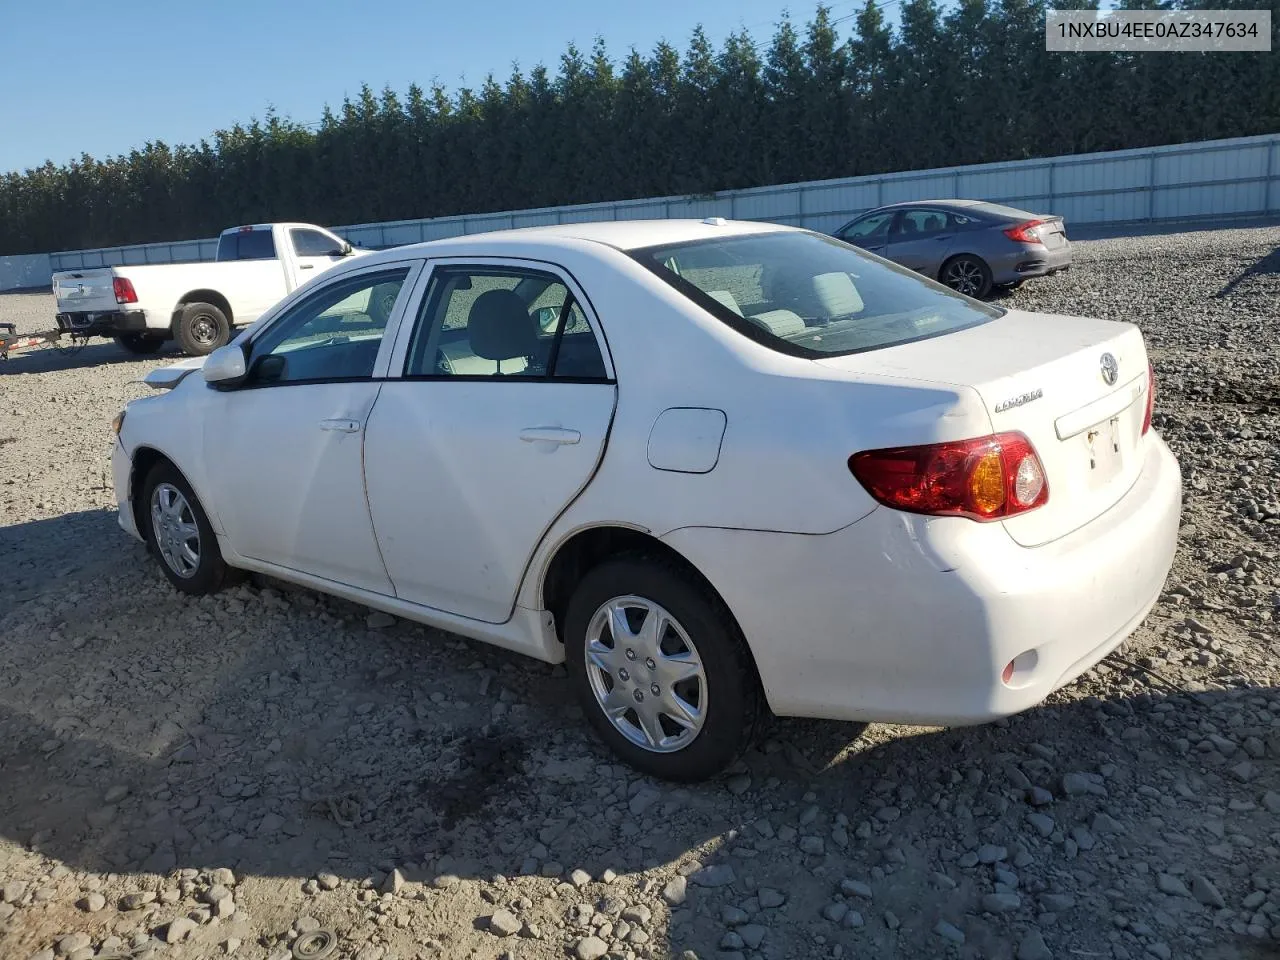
(347,249)
(546,318)
(225,367)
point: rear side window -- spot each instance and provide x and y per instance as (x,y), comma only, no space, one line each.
(247,245)
(808,295)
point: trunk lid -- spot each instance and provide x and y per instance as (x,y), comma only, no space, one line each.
(85,291)
(1046,376)
(1053,233)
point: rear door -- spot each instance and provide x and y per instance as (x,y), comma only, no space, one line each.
(493,420)
(921,239)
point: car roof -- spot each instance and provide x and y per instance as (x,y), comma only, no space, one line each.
(981,206)
(621,234)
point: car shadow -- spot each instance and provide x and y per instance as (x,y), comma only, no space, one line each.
(285,734)
(65,356)
(1263,266)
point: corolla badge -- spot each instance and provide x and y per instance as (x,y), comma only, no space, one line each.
(1019,400)
(1110,369)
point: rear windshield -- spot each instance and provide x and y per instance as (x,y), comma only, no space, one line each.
(247,245)
(809,295)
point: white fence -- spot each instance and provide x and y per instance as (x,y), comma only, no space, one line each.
(1216,178)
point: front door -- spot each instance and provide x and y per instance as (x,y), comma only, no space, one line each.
(870,232)
(495,425)
(284,450)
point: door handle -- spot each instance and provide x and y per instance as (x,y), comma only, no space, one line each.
(549,435)
(306,266)
(944,237)
(342,426)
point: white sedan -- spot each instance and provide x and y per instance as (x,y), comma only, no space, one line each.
(714,467)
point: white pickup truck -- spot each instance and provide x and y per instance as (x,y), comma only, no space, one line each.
(199,304)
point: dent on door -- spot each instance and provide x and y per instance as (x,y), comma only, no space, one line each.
(687,439)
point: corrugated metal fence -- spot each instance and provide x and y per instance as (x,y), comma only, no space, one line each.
(1217,178)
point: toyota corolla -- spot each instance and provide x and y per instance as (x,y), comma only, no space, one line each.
(716,468)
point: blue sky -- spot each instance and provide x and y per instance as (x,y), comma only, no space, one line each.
(101,78)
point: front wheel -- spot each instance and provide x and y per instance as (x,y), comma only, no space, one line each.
(661,669)
(968,275)
(179,534)
(201,328)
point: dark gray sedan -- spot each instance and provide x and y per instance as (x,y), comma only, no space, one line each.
(970,245)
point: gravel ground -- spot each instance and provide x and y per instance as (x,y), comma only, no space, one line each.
(191,778)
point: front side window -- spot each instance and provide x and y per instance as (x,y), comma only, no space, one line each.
(333,334)
(876,225)
(809,295)
(502,322)
(313,243)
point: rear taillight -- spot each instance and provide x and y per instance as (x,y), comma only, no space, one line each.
(123,287)
(1025,232)
(986,478)
(1151,398)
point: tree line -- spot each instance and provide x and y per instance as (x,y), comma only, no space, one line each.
(834,97)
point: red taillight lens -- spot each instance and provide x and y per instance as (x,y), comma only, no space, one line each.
(123,287)
(1025,232)
(1151,398)
(986,478)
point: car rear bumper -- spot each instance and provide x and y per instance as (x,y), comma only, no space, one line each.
(1030,260)
(874,623)
(103,324)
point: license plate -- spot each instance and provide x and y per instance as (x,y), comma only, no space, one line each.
(1103,449)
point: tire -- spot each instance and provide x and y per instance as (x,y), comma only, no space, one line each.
(726,690)
(201,328)
(196,572)
(382,299)
(138,343)
(967,274)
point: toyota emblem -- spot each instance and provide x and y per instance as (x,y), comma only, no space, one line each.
(1110,369)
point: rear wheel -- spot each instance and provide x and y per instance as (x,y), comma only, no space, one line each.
(967,274)
(139,343)
(661,669)
(179,535)
(201,328)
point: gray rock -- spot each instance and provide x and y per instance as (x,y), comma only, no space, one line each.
(1206,892)
(856,888)
(1077,784)
(1001,902)
(1159,950)
(1105,825)
(579,878)
(812,845)
(891,920)
(753,935)
(1083,838)
(1167,883)
(835,911)
(328,881)
(675,891)
(179,929)
(770,898)
(991,853)
(732,941)
(732,916)
(73,942)
(92,902)
(738,784)
(504,923)
(1033,947)
(716,875)
(1271,800)
(215,894)
(116,794)
(379,620)
(136,901)
(852,920)
(393,882)
(13,891)
(1057,902)
(642,801)
(638,913)
(590,948)
(948,931)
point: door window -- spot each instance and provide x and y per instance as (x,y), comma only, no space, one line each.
(502,322)
(333,334)
(920,223)
(313,243)
(867,228)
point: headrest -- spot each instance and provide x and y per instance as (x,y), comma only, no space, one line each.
(837,294)
(499,326)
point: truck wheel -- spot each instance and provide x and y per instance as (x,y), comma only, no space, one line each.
(201,328)
(382,299)
(139,344)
